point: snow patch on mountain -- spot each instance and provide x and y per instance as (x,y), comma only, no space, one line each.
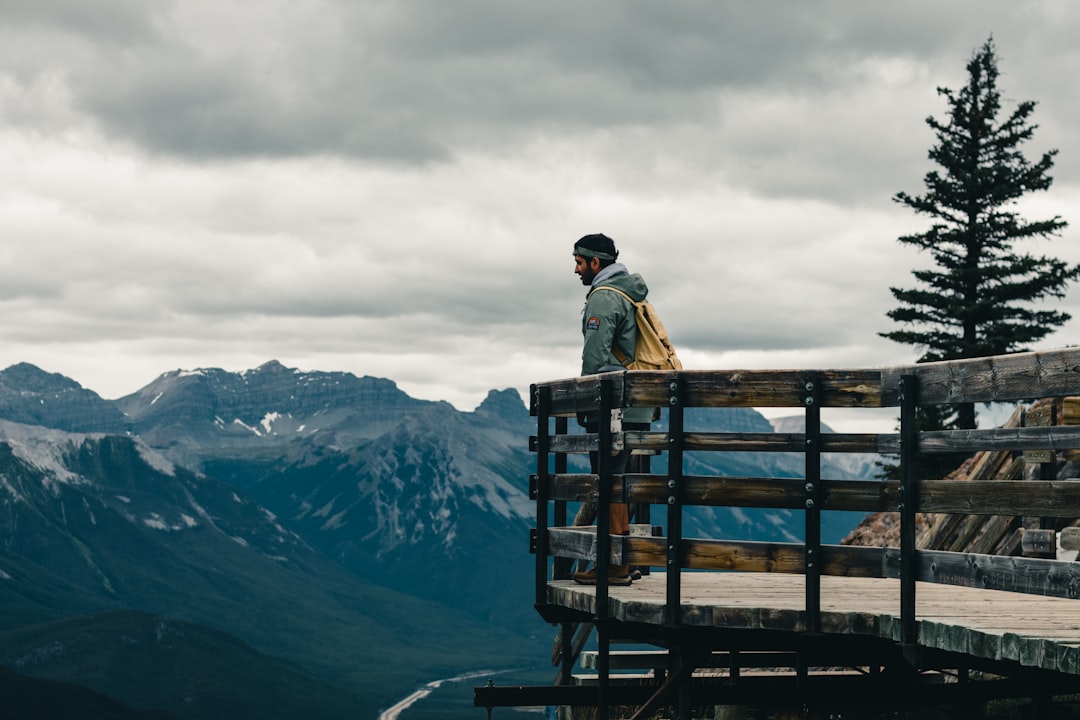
(157,522)
(154,459)
(44,448)
(244,425)
(268,421)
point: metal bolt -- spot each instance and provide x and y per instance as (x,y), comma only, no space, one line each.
(809,386)
(809,504)
(673,400)
(671,484)
(673,386)
(809,401)
(671,500)
(809,487)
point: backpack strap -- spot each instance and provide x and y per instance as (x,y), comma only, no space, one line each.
(614,290)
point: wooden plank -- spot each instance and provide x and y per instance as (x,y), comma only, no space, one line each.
(570,396)
(1032,576)
(717,388)
(863,495)
(757,388)
(1055,498)
(1055,438)
(645,550)
(1001,378)
(577,443)
(1070,411)
(1001,626)
(579,542)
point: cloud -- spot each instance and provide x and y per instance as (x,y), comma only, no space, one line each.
(393,188)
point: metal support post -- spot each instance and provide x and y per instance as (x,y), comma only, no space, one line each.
(603,500)
(909,504)
(603,546)
(814,496)
(541,407)
(674,501)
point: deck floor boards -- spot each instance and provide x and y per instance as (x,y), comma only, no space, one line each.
(1035,631)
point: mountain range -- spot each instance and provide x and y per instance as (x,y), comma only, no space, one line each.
(275,543)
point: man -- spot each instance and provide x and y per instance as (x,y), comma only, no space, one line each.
(609,328)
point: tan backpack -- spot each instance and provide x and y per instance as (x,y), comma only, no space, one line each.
(653,350)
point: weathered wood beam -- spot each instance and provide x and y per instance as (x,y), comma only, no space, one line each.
(991,572)
(718,388)
(570,396)
(1052,438)
(1001,378)
(994,572)
(1055,498)
(729,442)
(757,388)
(861,495)
(648,551)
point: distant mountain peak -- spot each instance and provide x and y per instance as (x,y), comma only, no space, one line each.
(271,366)
(32,396)
(502,402)
(30,378)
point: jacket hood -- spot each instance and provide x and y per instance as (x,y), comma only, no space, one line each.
(617,276)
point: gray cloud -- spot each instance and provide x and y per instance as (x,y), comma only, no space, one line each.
(393,188)
(415,82)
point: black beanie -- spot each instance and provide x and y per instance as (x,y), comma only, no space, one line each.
(598,246)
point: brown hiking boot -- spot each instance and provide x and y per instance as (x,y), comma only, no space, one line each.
(617,575)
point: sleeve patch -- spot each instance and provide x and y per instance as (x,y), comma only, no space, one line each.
(592,323)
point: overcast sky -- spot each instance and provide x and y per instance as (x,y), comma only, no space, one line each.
(393,188)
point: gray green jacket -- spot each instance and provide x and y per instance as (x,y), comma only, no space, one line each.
(608,321)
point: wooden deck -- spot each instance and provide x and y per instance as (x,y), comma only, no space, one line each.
(895,614)
(1034,631)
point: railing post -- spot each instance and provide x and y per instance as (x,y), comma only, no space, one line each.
(909,504)
(603,500)
(674,502)
(603,545)
(541,406)
(814,495)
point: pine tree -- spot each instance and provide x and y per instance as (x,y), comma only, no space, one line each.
(979,300)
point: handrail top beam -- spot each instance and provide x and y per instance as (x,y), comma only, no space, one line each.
(999,378)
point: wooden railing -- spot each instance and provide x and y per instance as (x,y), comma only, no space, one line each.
(1009,378)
